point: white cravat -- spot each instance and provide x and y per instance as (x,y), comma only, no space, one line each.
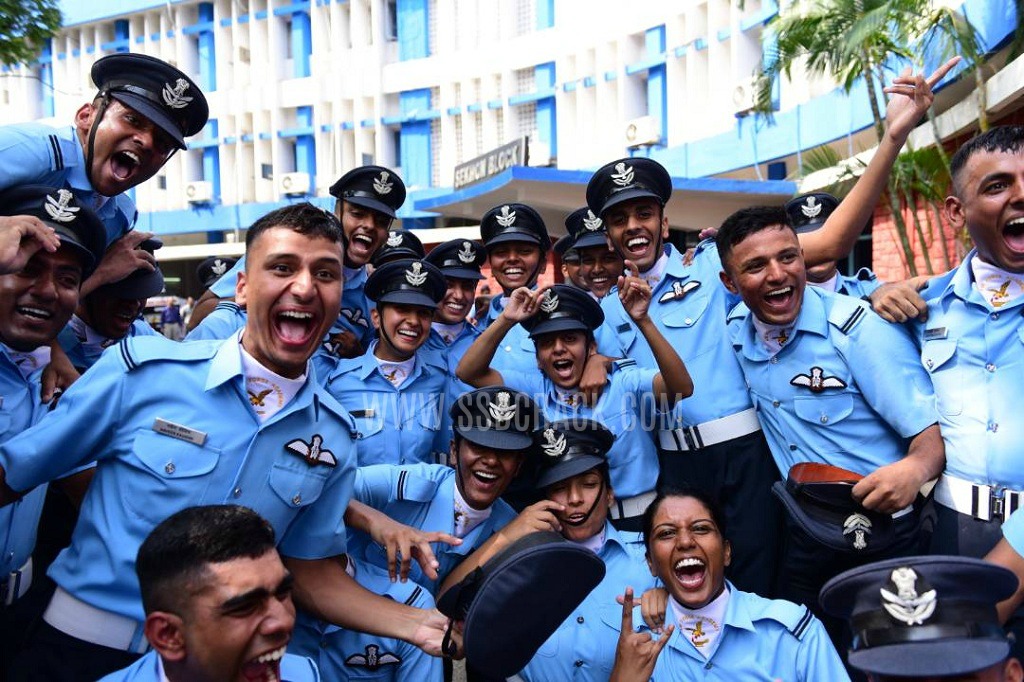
(702,626)
(29,362)
(448,332)
(467,518)
(830,284)
(772,337)
(595,543)
(268,392)
(998,286)
(656,272)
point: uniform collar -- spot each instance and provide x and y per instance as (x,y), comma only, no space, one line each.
(812,319)
(368,365)
(612,539)
(227,365)
(737,615)
(675,267)
(355,279)
(446,496)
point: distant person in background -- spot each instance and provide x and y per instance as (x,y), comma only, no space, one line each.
(171,324)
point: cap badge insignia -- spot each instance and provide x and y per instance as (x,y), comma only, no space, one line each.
(219,267)
(507,217)
(374,658)
(174,97)
(679,290)
(394,239)
(623,174)
(381,185)
(313,451)
(467,254)
(502,410)
(592,223)
(416,276)
(860,526)
(550,302)
(817,381)
(58,207)
(811,208)
(554,446)
(906,605)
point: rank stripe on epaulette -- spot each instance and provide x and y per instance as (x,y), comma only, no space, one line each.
(125,355)
(852,321)
(414,596)
(227,305)
(401,485)
(801,626)
(625,362)
(58,155)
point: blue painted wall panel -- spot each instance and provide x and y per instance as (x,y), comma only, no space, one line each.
(305,145)
(547,129)
(207,51)
(414,140)
(545,14)
(413,32)
(302,44)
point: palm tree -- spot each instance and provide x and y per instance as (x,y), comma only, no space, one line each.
(845,40)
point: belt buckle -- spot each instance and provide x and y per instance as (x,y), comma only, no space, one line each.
(996,503)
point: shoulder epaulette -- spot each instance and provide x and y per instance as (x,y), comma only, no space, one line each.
(56,153)
(865,275)
(434,357)
(138,350)
(806,618)
(230,306)
(414,488)
(846,313)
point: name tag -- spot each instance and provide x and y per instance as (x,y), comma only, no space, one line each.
(624,327)
(179,431)
(935,333)
(363,413)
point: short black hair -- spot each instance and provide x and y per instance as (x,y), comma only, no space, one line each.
(174,558)
(746,222)
(304,218)
(998,139)
(709,503)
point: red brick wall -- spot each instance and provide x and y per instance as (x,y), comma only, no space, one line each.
(888,260)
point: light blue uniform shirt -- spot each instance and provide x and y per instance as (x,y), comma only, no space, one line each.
(394,425)
(626,407)
(36,154)
(148,669)
(973,353)
(421,496)
(517,350)
(171,427)
(847,389)
(452,354)
(19,409)
(1013,531)
(349,655)
(763,640)
(355,309)
(862,284)
(689,307)
(223,321)
(84,355)
(583,646)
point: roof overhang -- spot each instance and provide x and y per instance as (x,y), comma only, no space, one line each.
(696,202)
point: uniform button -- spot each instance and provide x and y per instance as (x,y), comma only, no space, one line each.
(169,467)
(237,492)
(994,316)
(579,619)
(775,403)
(297,500)
(993,426)
(990,367)
(688,321)
(508,349)
(824,419)
(578,664)
(774,360)
(792,447)
(929,364)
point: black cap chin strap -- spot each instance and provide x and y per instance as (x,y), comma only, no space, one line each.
(593,507)
(101,110)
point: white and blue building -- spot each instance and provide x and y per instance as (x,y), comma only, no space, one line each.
(301,91)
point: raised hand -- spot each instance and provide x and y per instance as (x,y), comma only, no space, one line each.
(522,304)
(911,97)
(20,237)
(535,518)
(637,652)
(634,293)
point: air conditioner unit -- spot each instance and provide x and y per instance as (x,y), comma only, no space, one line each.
(199,192)
(744,96)
(293,183)
(643,132)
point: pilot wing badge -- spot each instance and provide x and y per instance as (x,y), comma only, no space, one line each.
(313,452)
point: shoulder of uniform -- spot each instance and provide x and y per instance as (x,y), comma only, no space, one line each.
(796,618)
(845,312)
(331,404)
(418,482)
(229,306)
(936,285)
(138,350)
(63,150)
(738,312)
(126,207)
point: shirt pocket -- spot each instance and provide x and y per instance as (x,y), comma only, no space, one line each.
(296,486)
(168,469)
(823,410)
(684,316)
(940,360)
